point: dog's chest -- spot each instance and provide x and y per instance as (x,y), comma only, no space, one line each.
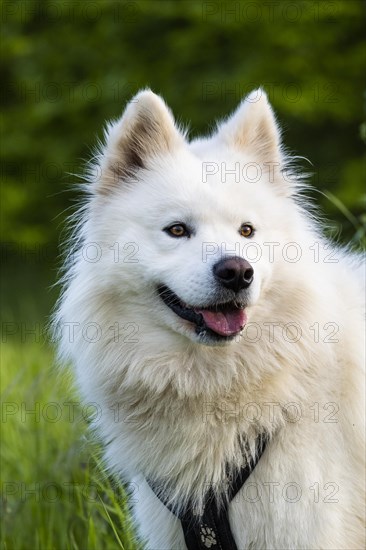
(281,496)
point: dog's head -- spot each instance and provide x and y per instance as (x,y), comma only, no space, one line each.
(189,231)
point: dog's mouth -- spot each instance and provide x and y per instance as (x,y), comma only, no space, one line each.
(224,320)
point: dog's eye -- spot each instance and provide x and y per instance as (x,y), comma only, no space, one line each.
(178,230)
(246,230)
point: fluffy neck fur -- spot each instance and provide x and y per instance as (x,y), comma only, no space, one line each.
(182,427)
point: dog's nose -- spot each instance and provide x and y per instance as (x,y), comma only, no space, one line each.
(234,273)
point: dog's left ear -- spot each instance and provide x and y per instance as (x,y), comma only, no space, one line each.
(253,128)
(145,131)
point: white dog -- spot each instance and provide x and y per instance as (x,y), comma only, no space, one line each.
(221,336)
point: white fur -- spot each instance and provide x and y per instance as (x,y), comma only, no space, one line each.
(173,408)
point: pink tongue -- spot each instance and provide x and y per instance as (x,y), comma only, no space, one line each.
(225,324)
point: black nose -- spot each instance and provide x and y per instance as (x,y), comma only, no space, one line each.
(234,273)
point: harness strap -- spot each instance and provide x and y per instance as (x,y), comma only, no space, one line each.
(212,529)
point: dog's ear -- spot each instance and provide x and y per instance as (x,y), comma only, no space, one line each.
(145,130)
(253,128)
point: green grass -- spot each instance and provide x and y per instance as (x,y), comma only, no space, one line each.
(55,493)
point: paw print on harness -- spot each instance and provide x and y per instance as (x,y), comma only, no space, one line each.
(208,536)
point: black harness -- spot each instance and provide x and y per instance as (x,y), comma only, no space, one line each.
(211,528)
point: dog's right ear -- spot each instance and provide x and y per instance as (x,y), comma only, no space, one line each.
(145,130)
(253,127)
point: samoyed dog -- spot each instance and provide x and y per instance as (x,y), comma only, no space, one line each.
(219,335)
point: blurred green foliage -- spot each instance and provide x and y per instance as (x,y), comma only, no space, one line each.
(70,65)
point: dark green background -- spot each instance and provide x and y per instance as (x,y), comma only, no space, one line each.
(68,66)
